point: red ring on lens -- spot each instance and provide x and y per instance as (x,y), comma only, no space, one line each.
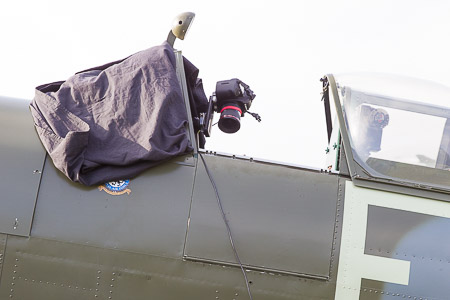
(231,107)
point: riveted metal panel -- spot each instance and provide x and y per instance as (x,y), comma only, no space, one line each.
(51,270)
(40,269)
(21,161)
(282,219)
(337,236)
(152,218)
(419,238)
(2,252)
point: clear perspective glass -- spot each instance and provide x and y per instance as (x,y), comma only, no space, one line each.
(399,128)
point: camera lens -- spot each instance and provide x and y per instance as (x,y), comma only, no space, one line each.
(230,119)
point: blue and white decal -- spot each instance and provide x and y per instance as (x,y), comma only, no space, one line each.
(118,187)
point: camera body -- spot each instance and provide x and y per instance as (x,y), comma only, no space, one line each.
(232,99)
(373,121)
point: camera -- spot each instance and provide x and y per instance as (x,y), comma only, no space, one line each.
(232,99)
(372,123)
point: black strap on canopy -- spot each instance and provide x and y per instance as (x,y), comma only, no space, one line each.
(326,102)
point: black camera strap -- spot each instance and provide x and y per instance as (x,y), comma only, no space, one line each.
(326,103)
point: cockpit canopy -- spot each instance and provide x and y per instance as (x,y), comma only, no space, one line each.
(398,128)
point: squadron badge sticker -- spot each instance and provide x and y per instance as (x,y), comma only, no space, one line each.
(115,188)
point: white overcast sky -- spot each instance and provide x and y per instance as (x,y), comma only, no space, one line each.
(280,48)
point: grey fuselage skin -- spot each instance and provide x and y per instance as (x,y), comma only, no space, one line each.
(166,238)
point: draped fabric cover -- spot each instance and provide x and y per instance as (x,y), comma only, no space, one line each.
(114,121)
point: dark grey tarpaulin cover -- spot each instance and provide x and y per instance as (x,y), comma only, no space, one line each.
(113,122)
